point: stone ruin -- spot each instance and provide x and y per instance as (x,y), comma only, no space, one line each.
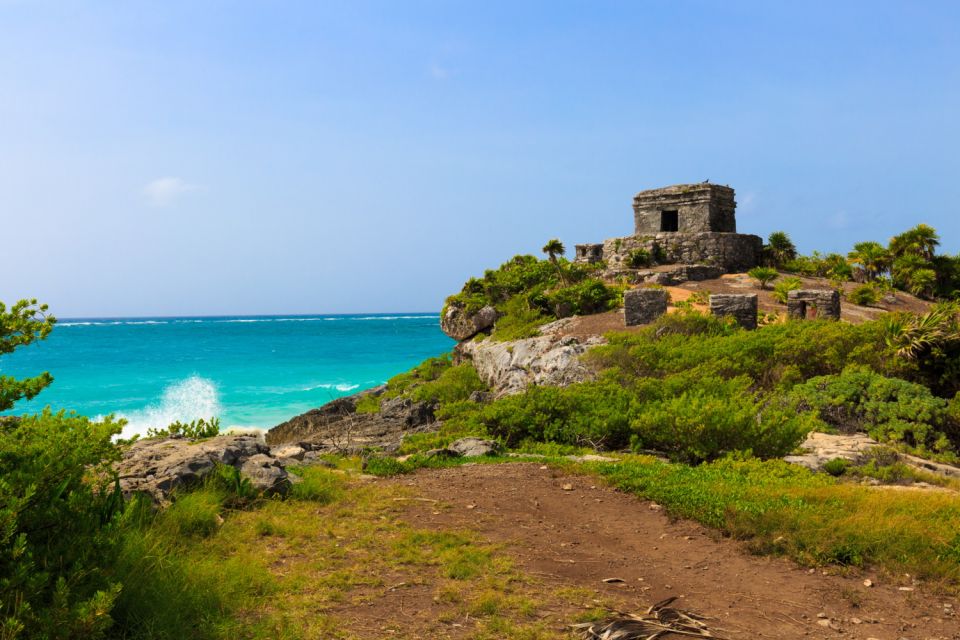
(741,307)
(681,224)
(803,304)
(643,306)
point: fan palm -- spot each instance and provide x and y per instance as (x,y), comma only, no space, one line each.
(555,248)
(871,258)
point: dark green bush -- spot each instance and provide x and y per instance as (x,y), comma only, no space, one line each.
(640,258)
(454,384)
(889,409)
(865,295)
(59,503)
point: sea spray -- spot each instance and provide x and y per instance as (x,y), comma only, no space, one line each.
(183,401)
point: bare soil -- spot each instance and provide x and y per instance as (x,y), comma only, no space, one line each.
(574,532)
(602,323)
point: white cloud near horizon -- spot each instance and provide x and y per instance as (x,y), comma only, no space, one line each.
(167,190)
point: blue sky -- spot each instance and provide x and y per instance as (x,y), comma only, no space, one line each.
(283,157)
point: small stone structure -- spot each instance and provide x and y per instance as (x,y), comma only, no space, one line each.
(589,253)
(682,224)
(642,306)
(685,208)
(813,303)
(741,307)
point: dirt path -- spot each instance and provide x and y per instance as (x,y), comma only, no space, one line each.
(574,532)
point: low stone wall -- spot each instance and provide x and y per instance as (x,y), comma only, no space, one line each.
(739,306)
(826,302)
(732,252)
(643,306)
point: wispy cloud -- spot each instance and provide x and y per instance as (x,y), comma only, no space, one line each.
(165,191)
(439,73)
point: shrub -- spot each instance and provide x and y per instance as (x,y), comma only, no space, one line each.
(889,409)
(784,286)
(639,258)
(194,429)
(865,295)
(59,504)
(455,384)
(584,298)
(519,320)
(763,275)
(836,467)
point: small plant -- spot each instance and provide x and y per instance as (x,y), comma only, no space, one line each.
(639,258)
(195,429)
(865,295)
(763,275)
(784,286)
(700,297)
(836,467)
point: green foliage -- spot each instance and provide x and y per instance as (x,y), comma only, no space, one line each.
(889,409)
(763,275)
(784,286)
(836,467)
(318,485)
(23,324)
(368,403)
(59,502)
(195,429)
(779,249)
(785,509)
(427,371)
(529,292)
(869,259)
(639,258)
(583,298)
(519,320)
(865,295)
(932,341)
(454,384)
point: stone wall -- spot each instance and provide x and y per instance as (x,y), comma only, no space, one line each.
(643,306)
(740,307)
(698,207)
(813,303)
(588,253)
(732,252)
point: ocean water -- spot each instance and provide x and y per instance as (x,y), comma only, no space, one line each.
(248,371)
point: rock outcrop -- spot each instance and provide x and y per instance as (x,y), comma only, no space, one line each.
(337,426)
(157,467)
(460,325)
(550,359)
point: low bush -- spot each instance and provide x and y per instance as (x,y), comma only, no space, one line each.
(784,286)
(889,409)
(59,506)
(865,295)
(454,384)
(639,258)
(763,275)
(195,429)
(318,485)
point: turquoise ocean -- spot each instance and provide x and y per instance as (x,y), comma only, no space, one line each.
(254,371)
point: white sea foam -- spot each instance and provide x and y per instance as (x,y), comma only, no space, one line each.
(183,401)
(343,386)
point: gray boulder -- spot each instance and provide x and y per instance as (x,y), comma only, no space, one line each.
(266,474)
(460,325)
(474,447)
(158,467)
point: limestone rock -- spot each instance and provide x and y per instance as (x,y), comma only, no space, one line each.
(821,448)
(337,427)
(474,447)
(740,307)
(159,466)
(459,325)
(510,367)
(266,474)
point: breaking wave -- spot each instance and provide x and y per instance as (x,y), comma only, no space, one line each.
(189,399)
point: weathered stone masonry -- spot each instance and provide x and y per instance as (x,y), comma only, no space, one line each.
(686,224)
(741,307)
(809,303)
(642,306)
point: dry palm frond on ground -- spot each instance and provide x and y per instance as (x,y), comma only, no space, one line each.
(658,621)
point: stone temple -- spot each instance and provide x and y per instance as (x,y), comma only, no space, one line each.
(692,224)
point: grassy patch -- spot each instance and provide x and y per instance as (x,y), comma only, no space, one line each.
(813,518)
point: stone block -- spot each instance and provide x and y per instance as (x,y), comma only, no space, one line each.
(740,307)
(643,306)
(803,304)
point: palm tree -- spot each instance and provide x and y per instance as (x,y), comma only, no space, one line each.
(871,258)
(780,248)
(921,241)
(555,248)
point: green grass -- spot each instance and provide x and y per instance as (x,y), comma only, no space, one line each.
(812,518)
